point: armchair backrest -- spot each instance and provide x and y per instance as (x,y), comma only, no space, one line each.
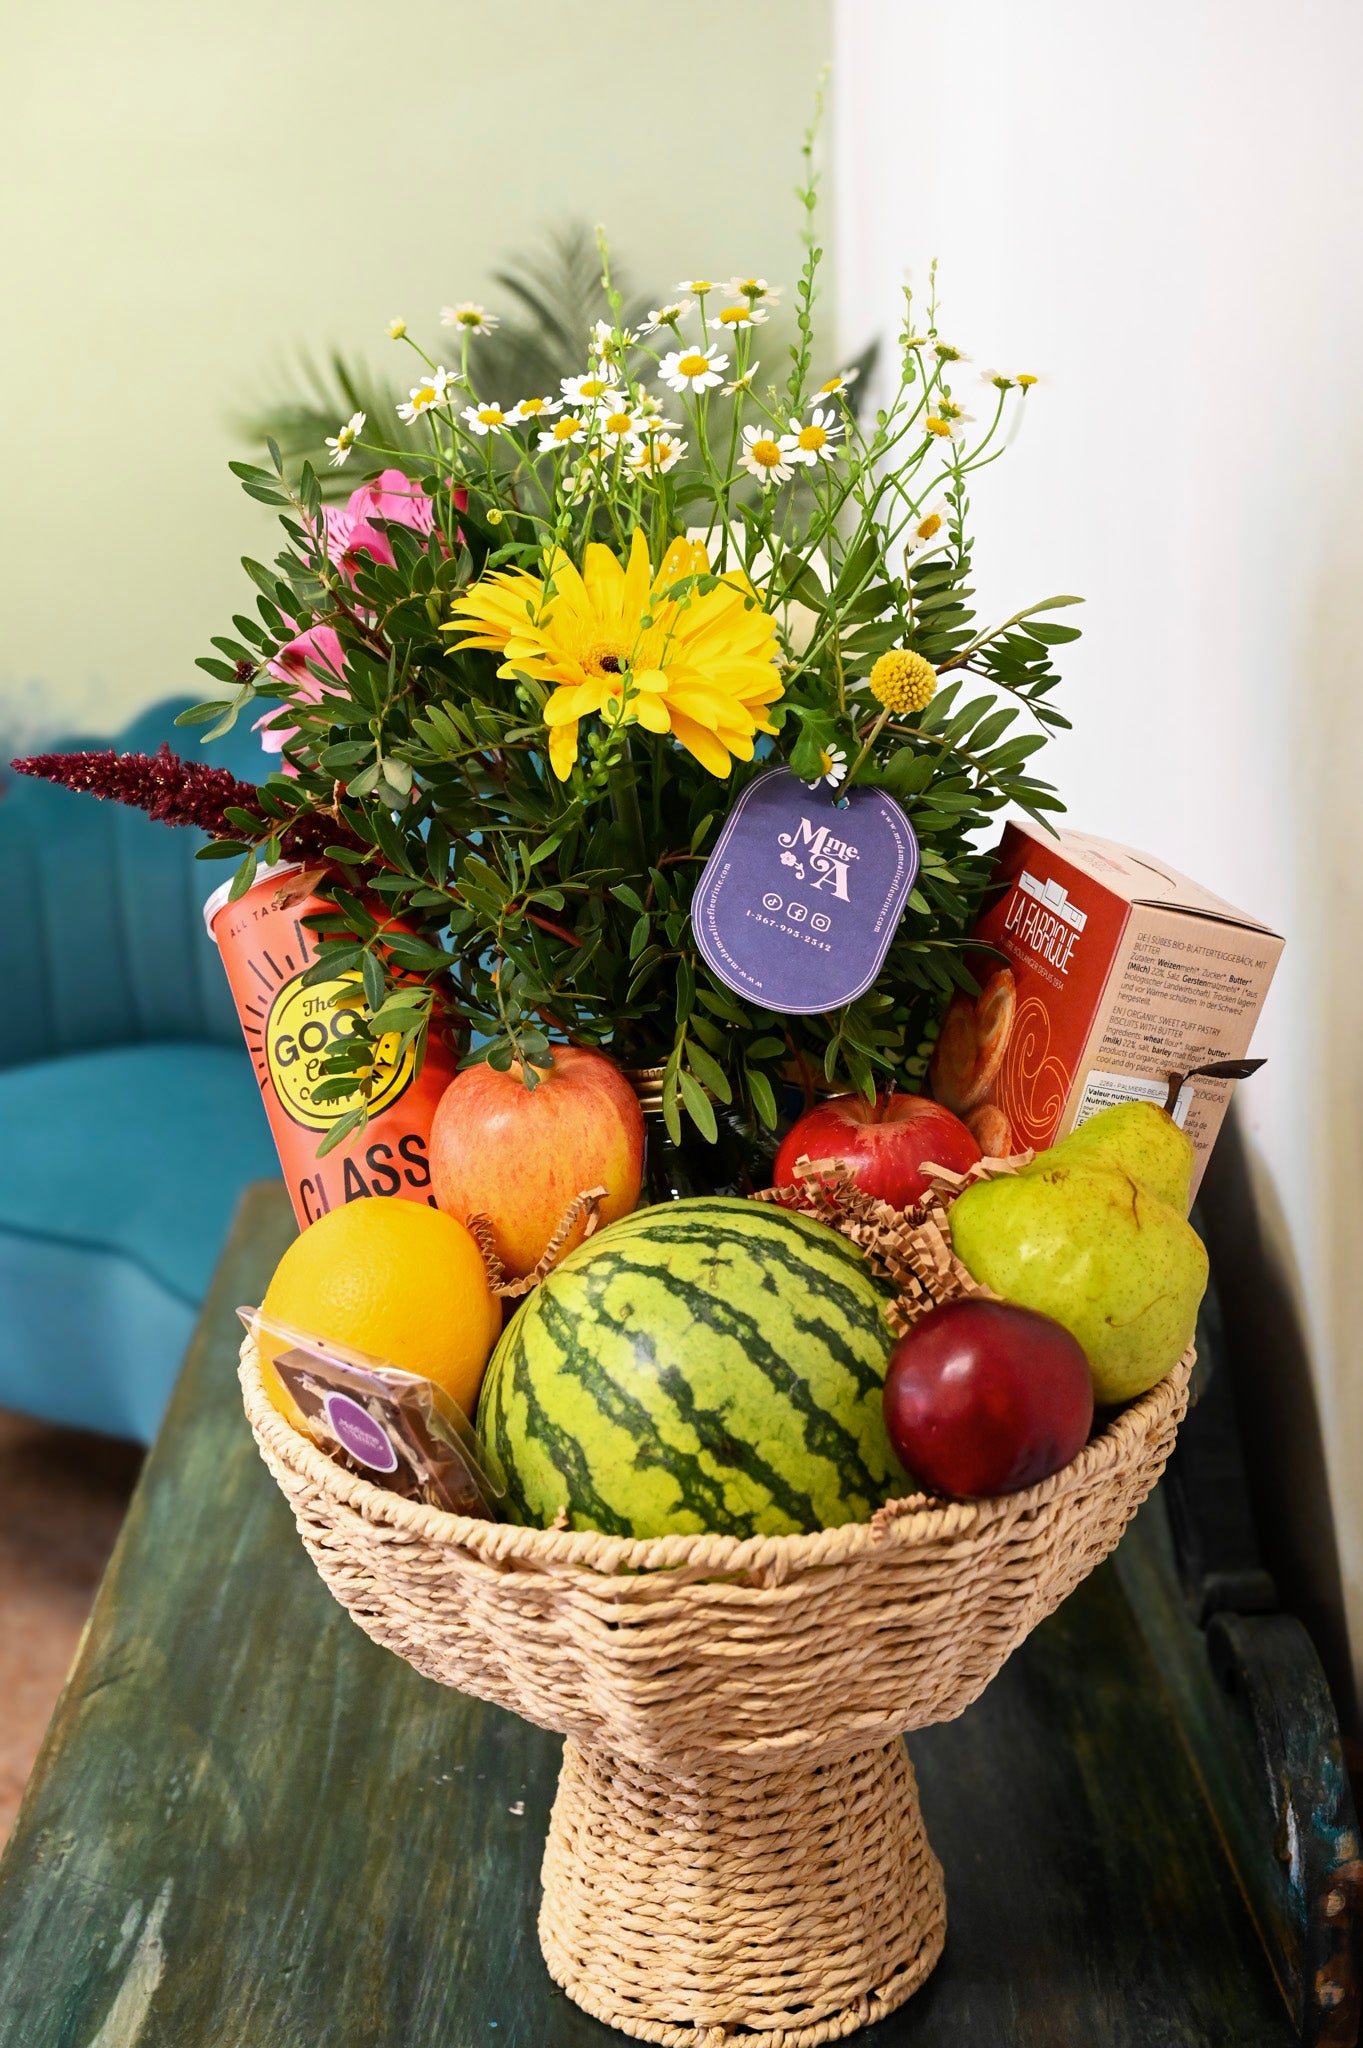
(102,939)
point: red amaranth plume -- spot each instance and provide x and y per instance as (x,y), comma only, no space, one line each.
(178,792)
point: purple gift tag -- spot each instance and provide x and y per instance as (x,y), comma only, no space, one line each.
(801,897)
(360,1434)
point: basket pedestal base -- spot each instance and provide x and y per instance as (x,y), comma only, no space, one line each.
(776,1909)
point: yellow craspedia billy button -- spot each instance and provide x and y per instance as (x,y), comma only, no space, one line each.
(401,1281)
(903,680)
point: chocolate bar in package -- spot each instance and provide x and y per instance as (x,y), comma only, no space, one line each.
(391,1427)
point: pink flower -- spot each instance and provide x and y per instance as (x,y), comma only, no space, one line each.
(393,495)
(349,535)
(321,646)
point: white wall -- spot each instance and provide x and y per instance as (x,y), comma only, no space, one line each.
(1156,206)
(190,193)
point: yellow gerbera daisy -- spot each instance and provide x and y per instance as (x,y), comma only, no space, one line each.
(703,668)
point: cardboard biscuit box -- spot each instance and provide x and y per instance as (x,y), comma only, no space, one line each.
(1117,973)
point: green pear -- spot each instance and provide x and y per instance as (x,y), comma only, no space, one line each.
(1140,1137)
(1122,1270)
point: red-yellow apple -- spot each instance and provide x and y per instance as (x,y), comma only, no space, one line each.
(883,1144)
(518,1155)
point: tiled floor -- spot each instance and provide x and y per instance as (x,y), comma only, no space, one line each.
(62,1497)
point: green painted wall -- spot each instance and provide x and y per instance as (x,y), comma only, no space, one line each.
(193,194)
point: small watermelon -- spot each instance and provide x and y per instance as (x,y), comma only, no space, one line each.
(704,1364)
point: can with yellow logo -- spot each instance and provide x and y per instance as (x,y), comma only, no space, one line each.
(266,949)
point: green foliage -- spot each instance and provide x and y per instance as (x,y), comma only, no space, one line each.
(534,908)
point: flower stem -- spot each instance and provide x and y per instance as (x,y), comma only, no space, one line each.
(871,739)
(625,808)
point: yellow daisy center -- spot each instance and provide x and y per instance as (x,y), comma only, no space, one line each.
(903,680)
(939,427)
(491,415)
(812,437)
(766,452)
(618,423)
(593,387)
(564,430)
(693,365)
(531,406)
(833,384)
(1026,381)
(605,658)
(929,528)
(825,760)
(470,318)
(736,316)
(424,395)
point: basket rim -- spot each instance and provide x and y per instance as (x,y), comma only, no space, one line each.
(917,1519)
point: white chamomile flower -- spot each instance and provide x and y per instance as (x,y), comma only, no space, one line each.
(813,442)
(691,369)
(658,454)
(343,440)
(754,289)
(929,529)
(1000,379)
(945,353)
(732,317)
(667,316)
(835,385)
(948,423)
(397,327)
(766,457)
(697,284)
(832,766)
(743,383)
(534,409)
(472,319)
(579,481)
(563,433)
(595,389)
(487,418)
(608,344)
(620,424)
(423,397)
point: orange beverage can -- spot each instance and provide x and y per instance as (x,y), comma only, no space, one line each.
(266,949)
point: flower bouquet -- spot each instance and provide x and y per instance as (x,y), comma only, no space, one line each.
(527,692)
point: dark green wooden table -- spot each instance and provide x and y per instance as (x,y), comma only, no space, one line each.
(252,1828)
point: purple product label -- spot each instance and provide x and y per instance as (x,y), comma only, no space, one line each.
(360,1434)
(800,899)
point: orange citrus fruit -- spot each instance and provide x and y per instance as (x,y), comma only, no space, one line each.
(397,1279)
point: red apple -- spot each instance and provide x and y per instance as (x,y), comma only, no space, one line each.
(984,1397)
(884,1145)
(518,1155)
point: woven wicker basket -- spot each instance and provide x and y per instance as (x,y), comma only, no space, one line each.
(736,1852)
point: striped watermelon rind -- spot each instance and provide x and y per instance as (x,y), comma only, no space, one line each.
(706,1364)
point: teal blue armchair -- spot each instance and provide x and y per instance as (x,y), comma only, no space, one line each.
(130,1117)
